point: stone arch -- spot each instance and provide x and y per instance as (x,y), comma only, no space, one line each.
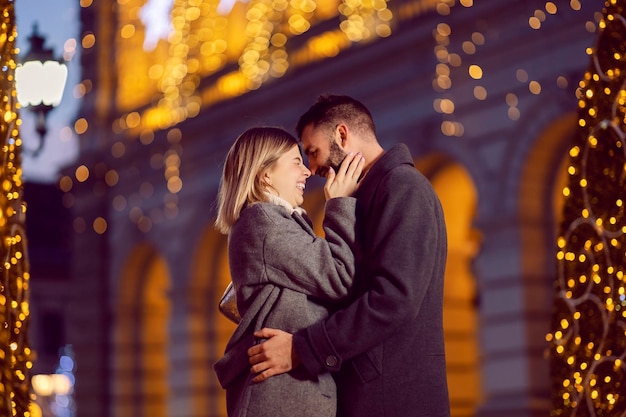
(543,177)
(141,311)
(550,117)
(539,208)
(458,196)
(208,330)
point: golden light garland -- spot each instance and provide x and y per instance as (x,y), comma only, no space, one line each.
(15,354)
(198,50)
(365,19)
(159,88)
(588,337)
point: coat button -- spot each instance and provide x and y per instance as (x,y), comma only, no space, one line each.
(331,360)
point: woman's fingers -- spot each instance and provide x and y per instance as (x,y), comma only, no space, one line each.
(345,182)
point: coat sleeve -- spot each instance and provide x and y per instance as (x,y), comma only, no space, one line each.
(404,250)
(320,267)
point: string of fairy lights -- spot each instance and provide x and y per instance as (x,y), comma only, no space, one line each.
(204,41)
(461,58)
(258,46)
(15,353)
(588,337)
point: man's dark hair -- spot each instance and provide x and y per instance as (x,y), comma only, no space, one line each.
(332,109)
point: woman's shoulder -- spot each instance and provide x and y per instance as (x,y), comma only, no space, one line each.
(259,214)
(266,210)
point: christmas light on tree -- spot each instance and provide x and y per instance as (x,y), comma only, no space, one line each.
(15,353)
(588,337)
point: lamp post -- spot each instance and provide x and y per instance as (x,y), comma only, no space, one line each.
(39,81)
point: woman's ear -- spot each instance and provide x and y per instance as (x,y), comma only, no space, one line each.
(266,179)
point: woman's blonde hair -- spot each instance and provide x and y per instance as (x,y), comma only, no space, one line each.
(255,151)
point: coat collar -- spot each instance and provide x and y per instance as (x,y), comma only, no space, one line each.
(274,199)
(398,155)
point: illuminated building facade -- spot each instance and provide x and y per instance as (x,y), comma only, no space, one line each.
(483,94)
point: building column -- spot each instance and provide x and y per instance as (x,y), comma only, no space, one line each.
(514,317)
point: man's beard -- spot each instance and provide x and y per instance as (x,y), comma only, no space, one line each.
(336,157)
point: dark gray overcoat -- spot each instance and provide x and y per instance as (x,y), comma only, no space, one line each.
(386,346)
(285,277)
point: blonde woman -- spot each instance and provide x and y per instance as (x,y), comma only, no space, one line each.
(283,274)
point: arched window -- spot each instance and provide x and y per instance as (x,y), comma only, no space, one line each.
(457,194)
(141,340)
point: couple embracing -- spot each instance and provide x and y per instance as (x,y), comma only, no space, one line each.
(347,325)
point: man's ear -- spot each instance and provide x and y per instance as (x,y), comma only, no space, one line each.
(342,130)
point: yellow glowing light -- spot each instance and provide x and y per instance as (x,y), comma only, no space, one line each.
(127,31)
(444,29)
(521,75)
(100,225)
(82,173)
(469,48)
(447,106)
(534,87)
(475,72)
(88,41)
(534,23)
(551,7)
(80,126)
(513,113)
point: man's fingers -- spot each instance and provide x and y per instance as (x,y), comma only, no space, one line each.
(262,376)
(256,358)
(254,350)
(266,333)
(267,368)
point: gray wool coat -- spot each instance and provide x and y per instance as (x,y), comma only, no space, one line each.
(285,277)
(386,346)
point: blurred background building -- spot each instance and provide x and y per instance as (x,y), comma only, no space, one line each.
(483,93)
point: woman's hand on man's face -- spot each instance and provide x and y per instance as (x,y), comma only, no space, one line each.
(345,182)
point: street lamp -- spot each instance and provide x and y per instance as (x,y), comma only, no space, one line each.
(40,80)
